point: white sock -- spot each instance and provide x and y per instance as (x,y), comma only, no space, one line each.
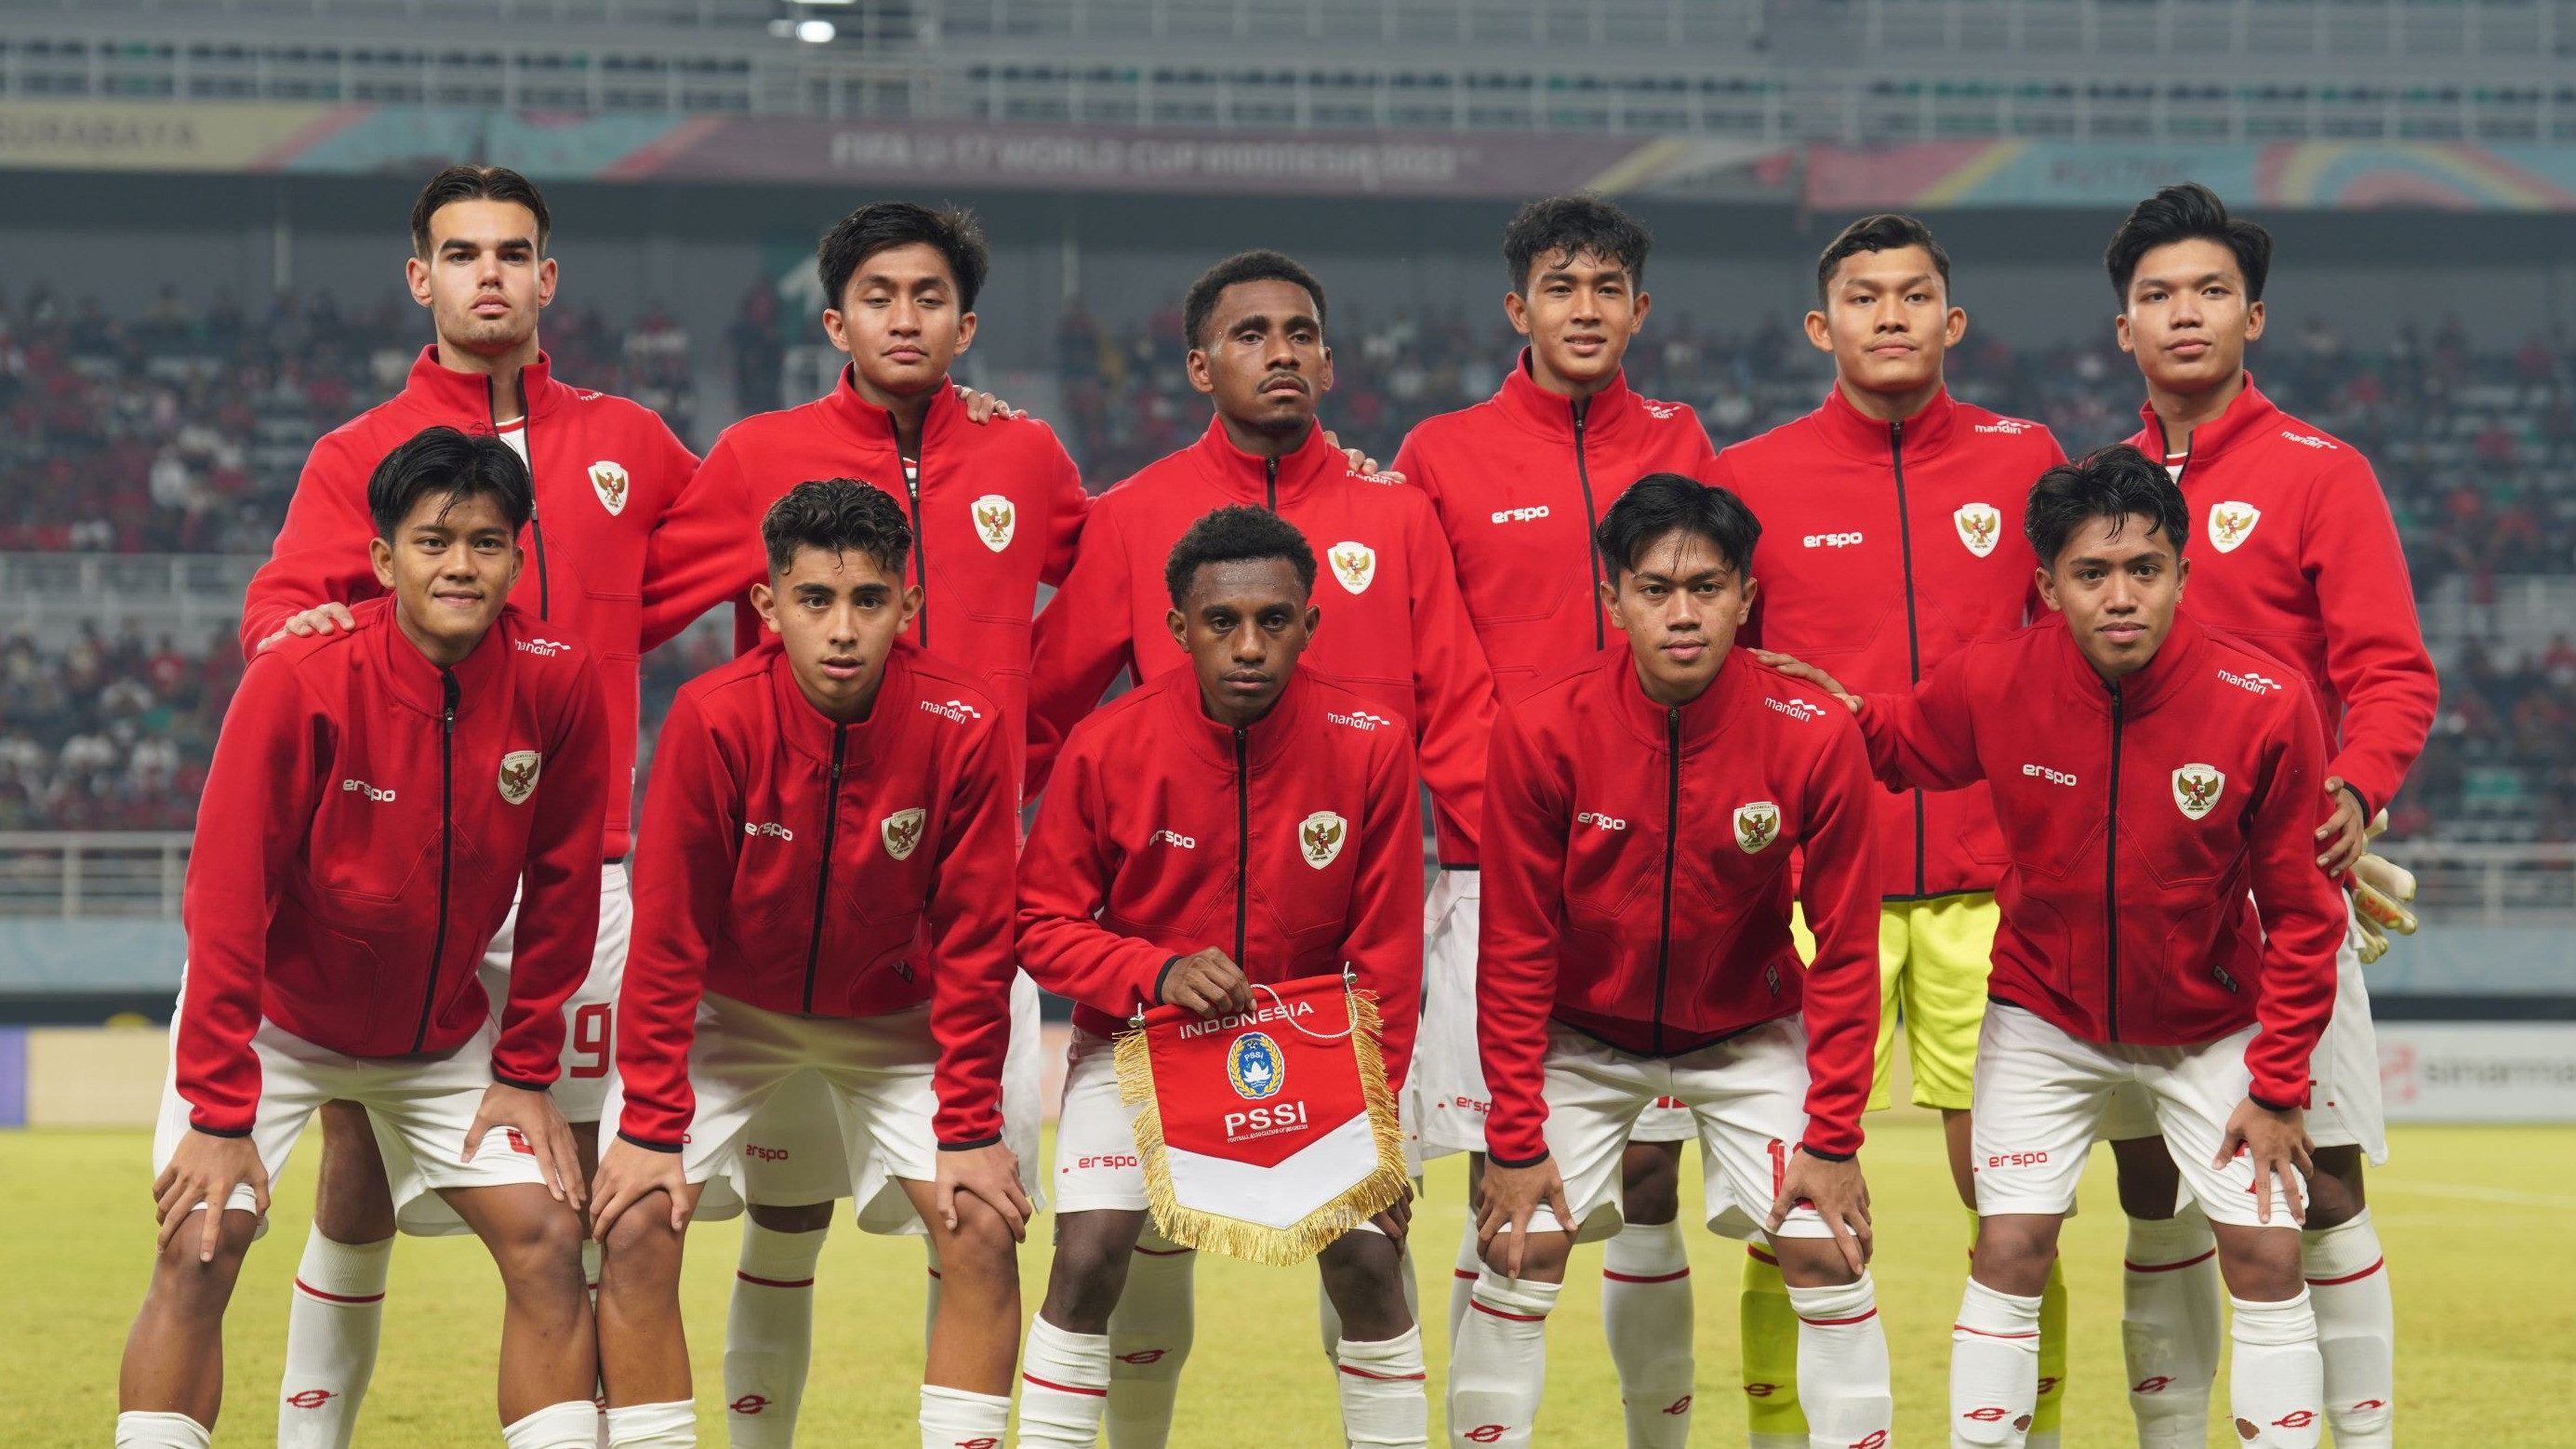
(1646,1315)
(769,1335)
(2356,1331)
(333,1320)
(951,1418)
(1150,1332)
(2170,1326)
(1498,1366)
(1462,1278)
(1994,1368)
(1842,1365)
(2276,1379)
(138,1429)
(572,1424)
(654,1426)
(1064,1386)
(1385,1398)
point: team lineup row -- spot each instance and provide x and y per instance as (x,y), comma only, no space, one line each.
(1699,785)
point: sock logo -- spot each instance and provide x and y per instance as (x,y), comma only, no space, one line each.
(1144,1356)
(1678,1407)
(980,1441)
(2295,1419)
(1874,1439)
(1484,1434)
(748,1404)
(2047,1385)
(2154,1385)
(309,1398)
(1761,1391)
(1994,1413)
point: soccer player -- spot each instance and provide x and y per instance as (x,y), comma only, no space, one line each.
(2147,774)
(827,887)
(1518,482)
(2303,562)
(399,780)
(604,471)
(994,510)
(1242,820)
(1399,637)
(1892,506)
(1641,811)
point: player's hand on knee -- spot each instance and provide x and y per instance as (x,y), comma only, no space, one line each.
(1797,668)
(539,1125)
(1840,1196)
(628,1174)
(1207,982)
(2275,1140)
(320,619)
(990,1174)
(983,407)
(205,1169)
(1513,1196)
(1397,1220)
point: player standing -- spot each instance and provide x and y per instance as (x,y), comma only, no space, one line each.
(1642,809)
(1518,482)
(1891,506)
(1238,821)
(827,878)
(399,782)
(2304,563)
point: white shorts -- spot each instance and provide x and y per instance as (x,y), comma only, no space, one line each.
(1445,1091)
(2040,1098)
(1747,1101)
(792,1155)
(426,1103)
(590,1037)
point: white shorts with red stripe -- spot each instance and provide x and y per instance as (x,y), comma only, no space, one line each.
(2041,1096)
(1445,1093)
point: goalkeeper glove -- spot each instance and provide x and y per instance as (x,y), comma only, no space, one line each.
(2381,891)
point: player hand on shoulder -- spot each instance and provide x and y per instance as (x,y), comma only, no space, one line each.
(540,1127)
(1360,462)
(990,1173)
(2276,1139)
(1207,982)
(206,1169)
(1797,668)
(1839,1195)
(2345,832)
(983,407)
(320,619)
(628,1174)
(1512,1198)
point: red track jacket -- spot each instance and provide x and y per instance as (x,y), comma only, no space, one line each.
(1294,846)
(1519,482)
(828,870)
(606,470)
(2138,818)
(1884,548)
(1597,914)
(2302,562)
(1394,628)
(393,808)
(995,509)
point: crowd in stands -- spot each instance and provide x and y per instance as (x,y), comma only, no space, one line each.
(110,733)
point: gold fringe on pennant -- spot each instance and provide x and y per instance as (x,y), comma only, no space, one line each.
(1285,1247)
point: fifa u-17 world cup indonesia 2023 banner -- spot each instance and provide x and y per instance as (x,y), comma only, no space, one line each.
(1265,1134)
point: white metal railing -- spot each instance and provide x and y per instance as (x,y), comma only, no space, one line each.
(2494,884)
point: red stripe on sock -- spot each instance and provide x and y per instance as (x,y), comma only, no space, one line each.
(1462,1273)
(1634,1278)
(1856,1318)
(1030,1378)
(1514,1317)
(1759,1256)
(1165,1252)
(933,1272)
(773,1282)
(1382,1378)
(2167,1267)
(2313,1282)
(306,1288)
(1983,1333)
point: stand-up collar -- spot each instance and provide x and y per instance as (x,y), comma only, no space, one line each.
(1267,737)
(809,731)
(413,678)
(1605,414)
(1702,719)
(468,395)
(1850,430)
(1248,479)
(2247,414)
(2148,687)
(871,426)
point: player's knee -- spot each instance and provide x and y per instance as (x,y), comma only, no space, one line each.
(1089,1274)
(642,1252)
(2261,1265)
(1812,1263)
(538,1249)
(183,1284)
(1650,1180)
(2013,1251)
(1543,1254)
(2150,1184)
(2335,1193)
(980,1248)
(811,1217)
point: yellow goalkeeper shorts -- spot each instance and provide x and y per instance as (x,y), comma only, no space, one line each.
(1933,957)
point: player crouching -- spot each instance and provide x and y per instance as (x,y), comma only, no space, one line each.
(398,779)
(1641,809)
(825,886)
(2147,773)
(1236,822)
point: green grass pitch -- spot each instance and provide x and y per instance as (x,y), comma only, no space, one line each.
(2477,1220)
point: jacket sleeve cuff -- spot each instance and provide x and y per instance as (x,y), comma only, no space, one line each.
(524,1084)
(2367,809)
(1154,998)
(218,1131)
(2271,1099)
(1497,1158)
(647,1143)
(989,1140)
(1822,1154)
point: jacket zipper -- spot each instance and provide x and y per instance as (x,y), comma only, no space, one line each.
(1242,838)
(2111,871)
(527,441)
(1672,831)
(1591,550)
(920,535)
(823,880)
(1913,636)
(1270,482)
(446,846)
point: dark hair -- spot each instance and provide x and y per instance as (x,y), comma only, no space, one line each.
(455,464)
(2112,483)
(1888,231)
(884,225)
(2187,212)
(1255,266)
(1574,225)
(1660,503)
(1241,534)
(476,183)
(838,515)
